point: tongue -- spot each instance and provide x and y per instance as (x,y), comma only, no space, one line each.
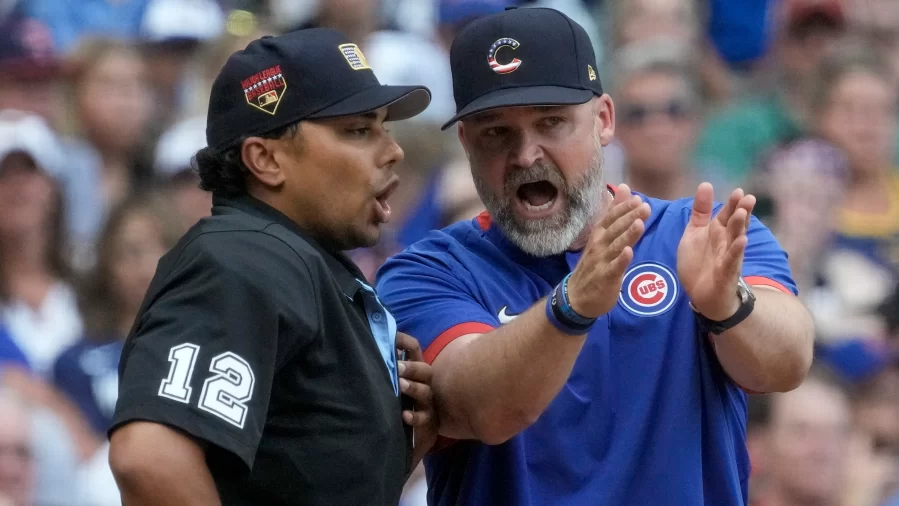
(538,193)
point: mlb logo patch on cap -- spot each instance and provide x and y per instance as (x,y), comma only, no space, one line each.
(354,56)
(265,89)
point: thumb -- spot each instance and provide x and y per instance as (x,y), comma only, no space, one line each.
(703,203)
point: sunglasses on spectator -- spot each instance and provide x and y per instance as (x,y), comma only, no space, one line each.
(636,114)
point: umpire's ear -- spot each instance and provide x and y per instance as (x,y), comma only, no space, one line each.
(258,155)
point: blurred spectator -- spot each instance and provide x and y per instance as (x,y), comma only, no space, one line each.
(801,444)
(136,236)
(17,470)
(799,190)
(108,151)
(172,32)
(658,111)
(679,22)
(174,152)
(855,108)
(735,139)
(69,21)
(37,305)
(241,27)
(30,71)
(739,31)
(879,21)
(872,370)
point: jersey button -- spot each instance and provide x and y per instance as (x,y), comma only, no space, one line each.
(376,317)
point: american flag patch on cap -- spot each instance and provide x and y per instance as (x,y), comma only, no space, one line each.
(354,56)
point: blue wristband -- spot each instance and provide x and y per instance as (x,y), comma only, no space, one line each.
(562,316)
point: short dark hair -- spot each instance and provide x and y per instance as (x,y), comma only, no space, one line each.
(223,172)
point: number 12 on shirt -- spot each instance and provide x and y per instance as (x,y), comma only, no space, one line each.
(224,394)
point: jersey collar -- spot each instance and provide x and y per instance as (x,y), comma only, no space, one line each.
(344,270)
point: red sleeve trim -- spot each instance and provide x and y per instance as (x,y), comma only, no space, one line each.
(450,335)
(763,281)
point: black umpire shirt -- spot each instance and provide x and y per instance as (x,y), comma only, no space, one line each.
(269,351)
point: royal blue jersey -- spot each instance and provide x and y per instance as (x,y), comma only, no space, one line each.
(647,417)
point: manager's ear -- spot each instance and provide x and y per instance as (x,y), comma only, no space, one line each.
(258,155)
(604,118)
(460,130)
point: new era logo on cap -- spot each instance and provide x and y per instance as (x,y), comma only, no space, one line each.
(535,56)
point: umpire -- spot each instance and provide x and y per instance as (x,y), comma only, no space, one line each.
(261,368)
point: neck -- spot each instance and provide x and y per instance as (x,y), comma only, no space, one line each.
(666,185)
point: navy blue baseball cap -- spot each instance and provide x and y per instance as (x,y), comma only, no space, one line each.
(306,74)
(522,57)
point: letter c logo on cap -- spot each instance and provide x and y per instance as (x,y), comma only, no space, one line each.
(507,67)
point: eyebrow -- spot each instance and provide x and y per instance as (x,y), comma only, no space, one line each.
(484,117)
(490,116)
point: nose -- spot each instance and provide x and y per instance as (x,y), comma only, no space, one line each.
(525,151)
(392,154)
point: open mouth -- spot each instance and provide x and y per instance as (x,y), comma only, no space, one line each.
(537,196)
(383,208)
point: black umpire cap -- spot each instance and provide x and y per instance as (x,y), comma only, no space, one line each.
(522,57)
(306,74)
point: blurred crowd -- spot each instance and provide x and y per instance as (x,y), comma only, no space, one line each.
(102,106)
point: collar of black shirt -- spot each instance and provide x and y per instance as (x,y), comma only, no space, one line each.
(344,270)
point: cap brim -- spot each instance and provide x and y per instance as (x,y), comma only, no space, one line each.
(402,102)
(523,96)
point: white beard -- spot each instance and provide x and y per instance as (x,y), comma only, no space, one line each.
(552,235)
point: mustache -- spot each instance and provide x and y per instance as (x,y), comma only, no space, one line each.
(537,172)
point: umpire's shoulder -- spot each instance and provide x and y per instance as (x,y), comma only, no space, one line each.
(250,251)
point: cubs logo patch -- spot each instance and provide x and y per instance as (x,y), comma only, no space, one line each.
(648,289)
(354,56)
(264,90)
(503,68)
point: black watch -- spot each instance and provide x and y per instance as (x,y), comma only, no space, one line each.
(747,303)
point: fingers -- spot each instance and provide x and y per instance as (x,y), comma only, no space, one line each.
(411,345)
(747,203)
(415,371)
(732,262)
(622,223)
(618,210)
(728,210)
(619,264)
(627,236)
(736,225)
(422,394)
(417,418)
(622,193)
(703,203)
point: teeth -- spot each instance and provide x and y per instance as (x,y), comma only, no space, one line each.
(543,207)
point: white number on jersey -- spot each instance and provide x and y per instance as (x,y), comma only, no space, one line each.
(225,394)
(177,386)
